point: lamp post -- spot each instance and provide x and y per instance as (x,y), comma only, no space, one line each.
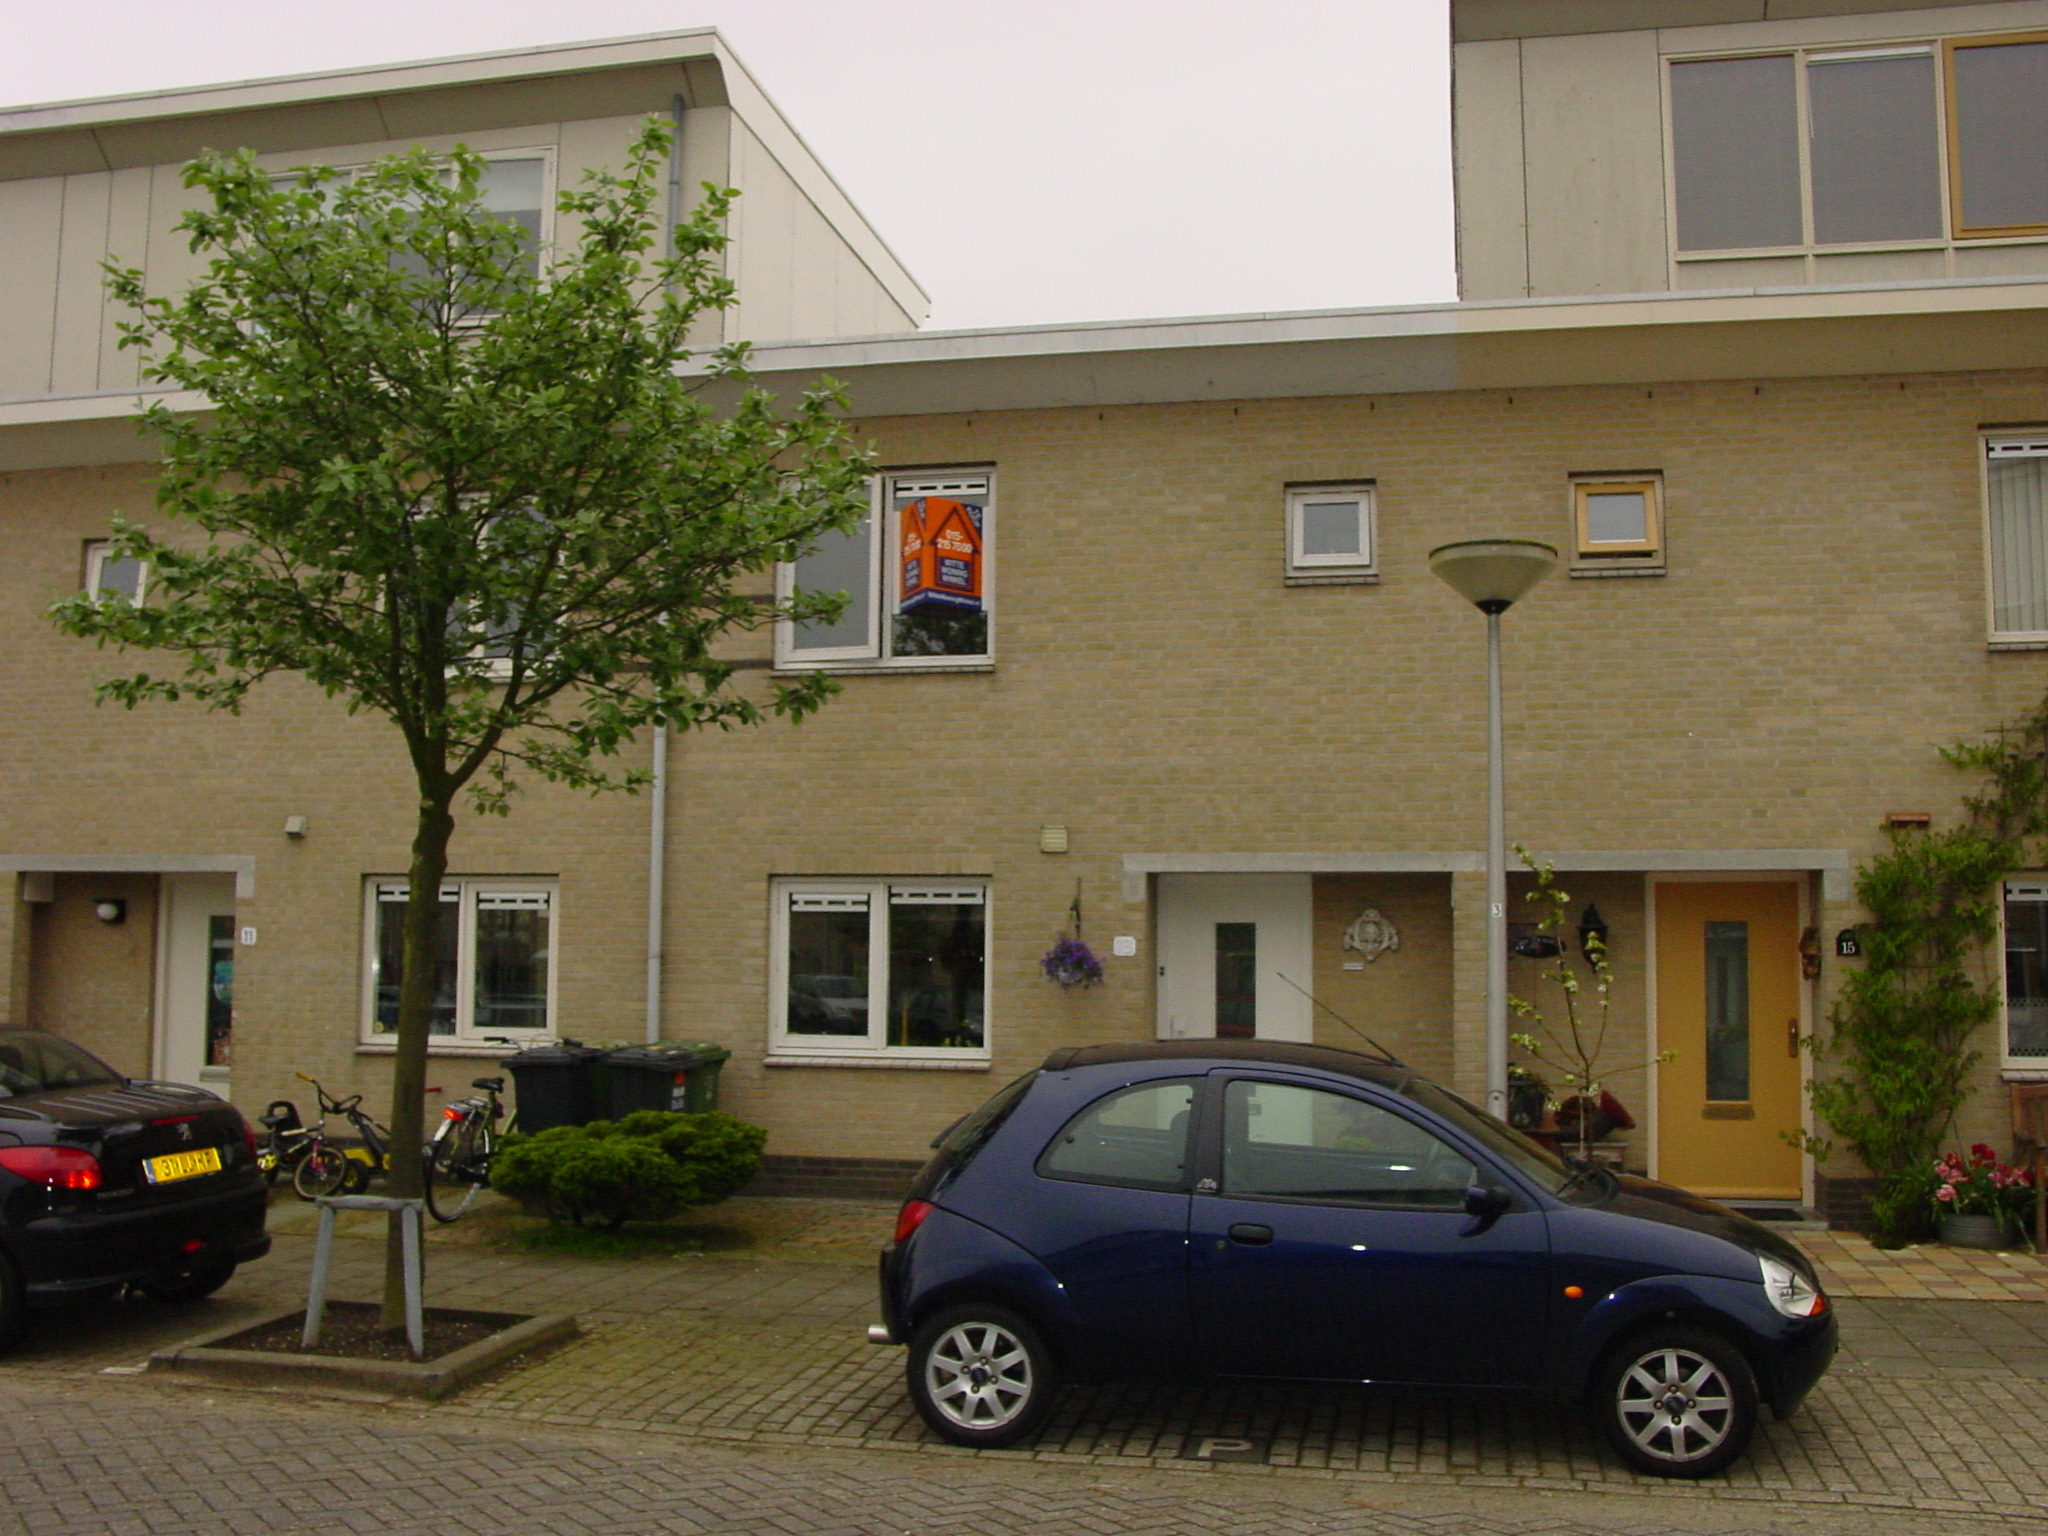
(1493,574)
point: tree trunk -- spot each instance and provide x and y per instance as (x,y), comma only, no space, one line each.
(415,1014)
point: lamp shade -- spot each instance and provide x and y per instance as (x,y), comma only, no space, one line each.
(1492,573)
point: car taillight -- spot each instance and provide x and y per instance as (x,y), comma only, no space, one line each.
(249,1139)
(911,1217)
(54,1167)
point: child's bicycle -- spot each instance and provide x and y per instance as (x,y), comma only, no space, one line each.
(327,1168)
(285,1140)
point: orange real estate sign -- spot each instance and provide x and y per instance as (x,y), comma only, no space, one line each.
(941,554)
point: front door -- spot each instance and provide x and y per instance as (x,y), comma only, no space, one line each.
(196,1012)
(1728,1007)
(1233,949)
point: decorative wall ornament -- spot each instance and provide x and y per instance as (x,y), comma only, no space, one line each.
(1372,934)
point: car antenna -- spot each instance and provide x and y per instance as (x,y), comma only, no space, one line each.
(1385,1055)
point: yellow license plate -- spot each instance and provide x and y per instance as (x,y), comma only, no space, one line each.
(183,1165)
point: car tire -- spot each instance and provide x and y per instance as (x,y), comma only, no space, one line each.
(190,1285)
(13,1303)
(980,1375)
(1676,1402)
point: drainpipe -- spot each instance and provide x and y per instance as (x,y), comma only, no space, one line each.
(657,866)
(675,171)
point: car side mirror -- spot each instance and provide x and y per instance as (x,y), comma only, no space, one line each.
(1483,1200)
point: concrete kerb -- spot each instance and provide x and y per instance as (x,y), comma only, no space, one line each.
(429,1379)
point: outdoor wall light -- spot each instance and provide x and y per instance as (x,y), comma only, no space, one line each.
(1592,929)
(110,910)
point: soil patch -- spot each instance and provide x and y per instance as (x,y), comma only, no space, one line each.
(352,1330)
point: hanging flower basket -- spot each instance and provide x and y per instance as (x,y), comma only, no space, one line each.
(1071,963)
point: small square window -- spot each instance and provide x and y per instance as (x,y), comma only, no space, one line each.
(1617,523)
(1330,533)
(108,577)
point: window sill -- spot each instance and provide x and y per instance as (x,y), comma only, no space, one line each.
(2018,643)
(444,1047)
(2033,1074)
(1333,579)
(879,669)
(1601,570)
(966,1062)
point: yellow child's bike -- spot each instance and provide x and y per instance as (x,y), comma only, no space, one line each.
(326,1167)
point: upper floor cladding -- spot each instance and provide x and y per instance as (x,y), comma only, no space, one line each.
(85,182)
(1644,146)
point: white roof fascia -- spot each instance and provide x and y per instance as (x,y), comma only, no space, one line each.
(370,80)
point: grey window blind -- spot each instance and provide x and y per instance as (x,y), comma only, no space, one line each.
(1876,160)
(2001,126)
(1735,148)
(2017,480)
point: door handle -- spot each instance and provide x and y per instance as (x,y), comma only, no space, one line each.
(1792,1038)
(1251,1234)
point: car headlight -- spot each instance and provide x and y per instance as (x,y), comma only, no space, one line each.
(1790,1291)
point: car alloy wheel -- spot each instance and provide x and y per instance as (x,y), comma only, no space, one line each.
(1678,1403)
(979,1376)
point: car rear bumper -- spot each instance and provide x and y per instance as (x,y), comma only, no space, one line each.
(70,1257)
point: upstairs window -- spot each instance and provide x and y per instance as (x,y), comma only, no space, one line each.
(2016,517)
(111,578)
(1794,150)
(1617,523)
(917,573)
(1330,533)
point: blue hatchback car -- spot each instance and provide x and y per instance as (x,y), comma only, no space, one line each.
(1256,1209)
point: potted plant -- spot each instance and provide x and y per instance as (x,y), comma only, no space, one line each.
(1980,1202)
(1071,963)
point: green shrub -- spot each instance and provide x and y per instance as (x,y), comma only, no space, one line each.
(646,1167)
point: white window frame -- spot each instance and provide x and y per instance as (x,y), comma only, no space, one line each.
(545,153)
(97,553)
(883,537)
(1643,557)
(467,890)
(1952,235)
(2014,445)
(786,1047)
(2031,888)
(1304,569)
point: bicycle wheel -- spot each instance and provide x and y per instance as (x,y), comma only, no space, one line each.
(457,1168)
(323,1171)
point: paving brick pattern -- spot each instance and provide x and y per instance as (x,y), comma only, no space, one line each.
(696,1373)
(1851,1266)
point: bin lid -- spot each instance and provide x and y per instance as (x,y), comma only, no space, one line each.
(667,1058)
(708,1051)
(564,1053)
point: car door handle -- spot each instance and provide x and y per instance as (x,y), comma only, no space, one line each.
(1251,1234)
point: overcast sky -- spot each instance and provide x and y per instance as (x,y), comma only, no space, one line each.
(1039,161)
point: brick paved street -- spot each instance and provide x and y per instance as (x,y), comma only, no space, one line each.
(729,1393)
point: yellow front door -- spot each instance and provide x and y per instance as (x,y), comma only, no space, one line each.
(1728,1005)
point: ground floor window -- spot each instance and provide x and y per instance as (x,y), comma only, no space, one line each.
(880,967)
(494,972)
(2026,972)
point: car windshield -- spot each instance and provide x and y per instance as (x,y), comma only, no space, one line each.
(31,1063)
(1531,1159)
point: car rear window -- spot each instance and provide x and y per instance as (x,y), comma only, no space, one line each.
(44,1064)
(971,1132)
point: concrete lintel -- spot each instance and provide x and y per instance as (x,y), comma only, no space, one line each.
(241,865)
(1834,864)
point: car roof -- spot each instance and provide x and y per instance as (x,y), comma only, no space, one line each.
(1275,1053)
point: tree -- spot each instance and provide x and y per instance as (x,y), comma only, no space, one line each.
(458,481)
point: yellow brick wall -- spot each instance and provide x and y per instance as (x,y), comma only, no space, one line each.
(1158,689)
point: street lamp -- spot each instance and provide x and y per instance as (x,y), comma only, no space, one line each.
(1492,574)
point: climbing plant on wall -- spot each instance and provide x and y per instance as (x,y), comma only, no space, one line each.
(1901,1026)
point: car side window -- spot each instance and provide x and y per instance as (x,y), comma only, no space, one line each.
(1135,1136)
(1281,1141)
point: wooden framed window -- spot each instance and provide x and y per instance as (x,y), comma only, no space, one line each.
(1330,533)
(1618,521)
(1998,134)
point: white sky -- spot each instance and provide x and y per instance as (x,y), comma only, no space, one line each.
(1030,160)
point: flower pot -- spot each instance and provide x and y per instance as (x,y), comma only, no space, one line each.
(1973,1231)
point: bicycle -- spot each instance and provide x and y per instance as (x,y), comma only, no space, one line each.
(327,1169)
(458,1160)
(285,1140)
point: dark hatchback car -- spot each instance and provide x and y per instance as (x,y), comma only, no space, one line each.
(1252,1209)
(107,1183)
